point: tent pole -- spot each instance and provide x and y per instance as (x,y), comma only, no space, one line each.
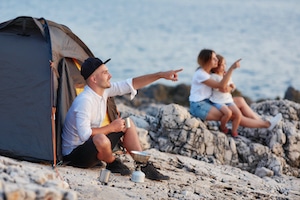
(53,135)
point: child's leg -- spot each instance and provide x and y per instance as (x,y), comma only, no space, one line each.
(225,118)
(236,118)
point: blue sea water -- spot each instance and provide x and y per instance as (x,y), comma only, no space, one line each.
(145,36)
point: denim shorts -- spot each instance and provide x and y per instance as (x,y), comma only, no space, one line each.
(200,109)
(219,105)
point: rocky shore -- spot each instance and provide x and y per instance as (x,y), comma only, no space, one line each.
(203,163)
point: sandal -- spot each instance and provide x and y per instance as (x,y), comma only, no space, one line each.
(225,130)
(234,134)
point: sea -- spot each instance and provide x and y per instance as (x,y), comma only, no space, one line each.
(146,36)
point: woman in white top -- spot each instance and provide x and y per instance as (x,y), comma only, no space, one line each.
(201,90)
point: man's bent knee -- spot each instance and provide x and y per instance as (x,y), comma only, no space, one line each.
(101,140)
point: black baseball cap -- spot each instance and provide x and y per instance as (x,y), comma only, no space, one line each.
(90,65)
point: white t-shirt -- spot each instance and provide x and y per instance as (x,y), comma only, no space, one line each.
(200,91)
(88,111)
(220,97)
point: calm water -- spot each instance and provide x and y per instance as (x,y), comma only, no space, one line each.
(144,36)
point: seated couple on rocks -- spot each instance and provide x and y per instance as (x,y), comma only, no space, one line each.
(86,137)
(210,97)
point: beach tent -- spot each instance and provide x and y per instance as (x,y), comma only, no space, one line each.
(34,95)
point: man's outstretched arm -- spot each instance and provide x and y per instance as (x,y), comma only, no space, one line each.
(142,81)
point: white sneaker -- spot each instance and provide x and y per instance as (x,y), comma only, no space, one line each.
(274,121)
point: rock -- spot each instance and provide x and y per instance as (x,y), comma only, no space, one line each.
(292,94)
(262,172)
(18,182)
(144,138)
(167,94)
(172,129)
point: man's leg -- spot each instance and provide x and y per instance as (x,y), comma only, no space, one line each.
(116,166)
(131,139)
(103,146)
(132,143)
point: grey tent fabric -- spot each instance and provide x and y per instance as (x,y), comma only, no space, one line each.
(69,79)
(30,88)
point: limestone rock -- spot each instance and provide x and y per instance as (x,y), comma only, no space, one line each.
(262,172)
(172,129)
(18,183)
(292,94)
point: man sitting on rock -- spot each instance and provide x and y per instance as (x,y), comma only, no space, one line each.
(84,141)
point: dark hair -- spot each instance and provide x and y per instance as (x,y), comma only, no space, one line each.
(204,56)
